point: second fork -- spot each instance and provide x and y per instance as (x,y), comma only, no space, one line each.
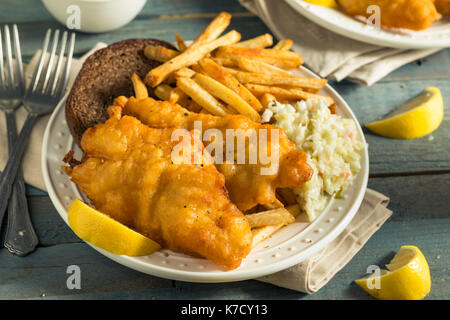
(20,236)
(43,94)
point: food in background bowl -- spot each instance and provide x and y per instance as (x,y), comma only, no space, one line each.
(398,14)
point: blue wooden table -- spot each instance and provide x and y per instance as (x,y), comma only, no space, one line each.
(414,174)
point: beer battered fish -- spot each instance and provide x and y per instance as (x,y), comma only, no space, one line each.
(247,183)
(128,173)
(443,6)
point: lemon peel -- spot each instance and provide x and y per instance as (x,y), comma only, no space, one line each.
(100,230)
(407,277)
(415,119)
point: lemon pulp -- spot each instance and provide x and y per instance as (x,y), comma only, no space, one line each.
(100,230)
(415,119)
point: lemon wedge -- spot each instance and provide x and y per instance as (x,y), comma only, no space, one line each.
(414,119)
(325,3)
(100,230)
(407,277)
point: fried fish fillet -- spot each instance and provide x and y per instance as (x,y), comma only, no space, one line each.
(408,14)
(248,183)
(128,173)
(443,6)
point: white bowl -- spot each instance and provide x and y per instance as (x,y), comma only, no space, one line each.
(94,15)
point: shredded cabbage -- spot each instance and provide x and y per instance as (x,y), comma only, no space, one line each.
(331,142)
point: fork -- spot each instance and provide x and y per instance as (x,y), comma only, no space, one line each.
(42,95)
(21,238)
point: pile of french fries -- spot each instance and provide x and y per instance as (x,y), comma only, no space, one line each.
(222,75)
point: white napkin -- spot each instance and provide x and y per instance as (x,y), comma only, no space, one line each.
(31,161)
(314,272)
(328,54)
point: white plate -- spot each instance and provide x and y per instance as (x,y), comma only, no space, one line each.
(289,246)
(437,36)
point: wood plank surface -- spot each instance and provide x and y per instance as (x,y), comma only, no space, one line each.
(44,272)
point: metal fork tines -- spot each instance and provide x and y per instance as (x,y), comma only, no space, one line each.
(20,236)
(42,95)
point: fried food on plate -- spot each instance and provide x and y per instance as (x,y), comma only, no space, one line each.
(261,41)
(443,6)
(128,173)
(246,183)
(282,58)
(189,57)
(407,14)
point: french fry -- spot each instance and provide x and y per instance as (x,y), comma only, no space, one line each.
(189,57)
(163,92)
(230,70)
(201,96)
(294,210)
(267,100)
(285,44)
(195,107)
(270,218)
(140,90)
(213,30)
(263,233)
(197,68)
(180,42)
(160,53)
(226,95)
(226,62)
(274,205)
(220,74)
(178,96)
(184,72)
(314,84)
(262,41)
(300,216)
(285,94)
(259,67)
(283,58)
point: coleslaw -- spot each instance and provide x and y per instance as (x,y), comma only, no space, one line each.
(331,143)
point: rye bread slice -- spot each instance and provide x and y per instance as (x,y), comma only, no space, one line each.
(104,76)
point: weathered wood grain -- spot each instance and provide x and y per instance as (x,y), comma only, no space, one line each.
(24,11)
(433,67)
(32,34)
(44,272)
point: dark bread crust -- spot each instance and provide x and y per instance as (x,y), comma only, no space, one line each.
(105,75)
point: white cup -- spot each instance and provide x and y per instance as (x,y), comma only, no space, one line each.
(94,16)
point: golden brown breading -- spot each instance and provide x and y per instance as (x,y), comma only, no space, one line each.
(247,184)
(128,173)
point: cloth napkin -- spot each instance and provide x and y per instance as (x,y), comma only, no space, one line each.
(328,54)
(308,276)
